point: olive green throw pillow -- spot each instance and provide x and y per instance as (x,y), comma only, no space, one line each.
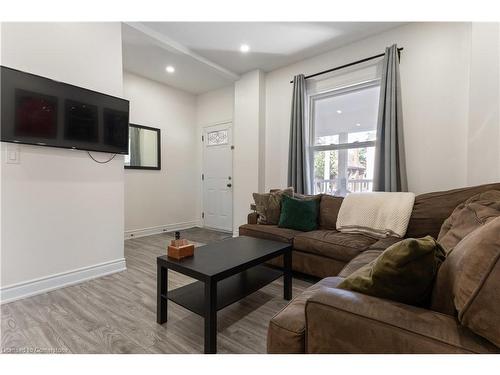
(404,272)
(299,214)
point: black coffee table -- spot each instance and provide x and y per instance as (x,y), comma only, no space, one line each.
(227,272)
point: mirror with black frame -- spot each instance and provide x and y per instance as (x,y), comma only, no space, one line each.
(144,148)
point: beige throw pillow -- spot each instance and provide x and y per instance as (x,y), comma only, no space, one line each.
(268,205)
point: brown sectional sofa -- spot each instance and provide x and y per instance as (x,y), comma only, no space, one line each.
(325,319)
(320,253)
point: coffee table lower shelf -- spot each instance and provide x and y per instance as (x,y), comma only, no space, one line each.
(230,290)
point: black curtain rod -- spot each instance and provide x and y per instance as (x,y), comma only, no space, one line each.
(348,65)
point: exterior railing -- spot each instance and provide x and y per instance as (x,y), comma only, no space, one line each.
(332,186)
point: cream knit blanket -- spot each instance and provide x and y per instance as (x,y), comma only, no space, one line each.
(376,214)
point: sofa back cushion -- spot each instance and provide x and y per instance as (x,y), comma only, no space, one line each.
(468,216)
(470,278)
(307,197)
(329,208)
(432,209)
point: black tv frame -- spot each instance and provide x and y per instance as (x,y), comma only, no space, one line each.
(77,87)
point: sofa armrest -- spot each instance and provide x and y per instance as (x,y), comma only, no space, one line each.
(252,218)
(341,321)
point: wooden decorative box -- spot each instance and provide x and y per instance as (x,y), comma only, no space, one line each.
(179,249)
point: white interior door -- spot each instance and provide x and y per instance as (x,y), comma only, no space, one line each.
(218,177)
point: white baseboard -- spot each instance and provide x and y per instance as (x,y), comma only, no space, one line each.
(30,288)
(136,233)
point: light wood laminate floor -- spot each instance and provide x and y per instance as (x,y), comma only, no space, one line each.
(117,313)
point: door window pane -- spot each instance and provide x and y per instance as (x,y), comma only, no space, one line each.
(218,137)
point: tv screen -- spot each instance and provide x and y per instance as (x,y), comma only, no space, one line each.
(40,111)
(36,115)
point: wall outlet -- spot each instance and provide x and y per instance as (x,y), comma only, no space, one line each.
(13,154)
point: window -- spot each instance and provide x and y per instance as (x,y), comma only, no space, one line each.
(343,132)
(218,137)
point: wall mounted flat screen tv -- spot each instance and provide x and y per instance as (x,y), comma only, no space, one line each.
(40,111)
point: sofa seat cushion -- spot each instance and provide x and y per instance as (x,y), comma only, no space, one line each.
(268,232)
(286,333)
(384,243)
(361,260)
(332,244)
(367,256)
(311,264)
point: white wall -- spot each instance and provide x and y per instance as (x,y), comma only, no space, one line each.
(435,88)
(61,211)
(165,199)
(262,133)
(213,107)
(483,164)
(437,74)
(244,105)
(248,117)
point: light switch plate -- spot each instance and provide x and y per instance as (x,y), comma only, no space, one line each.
(13,154)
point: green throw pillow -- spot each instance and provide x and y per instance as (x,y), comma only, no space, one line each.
(404,272)
(299,214)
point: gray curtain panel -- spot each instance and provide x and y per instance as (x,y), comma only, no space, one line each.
(298,174)
(390,164)
(135,148)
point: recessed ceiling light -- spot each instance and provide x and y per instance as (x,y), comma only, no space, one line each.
(244,48)
(170,69)
(358,124)
(339,111)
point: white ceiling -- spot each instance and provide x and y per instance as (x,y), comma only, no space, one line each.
(206,55)
(148,57)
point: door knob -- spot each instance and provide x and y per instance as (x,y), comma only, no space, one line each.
(229,185)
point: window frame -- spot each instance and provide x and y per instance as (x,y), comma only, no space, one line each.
(312,98)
